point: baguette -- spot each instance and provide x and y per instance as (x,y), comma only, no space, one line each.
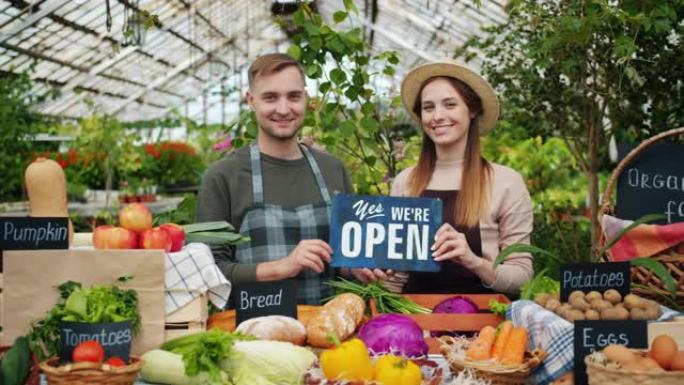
(340,316)
(274,328)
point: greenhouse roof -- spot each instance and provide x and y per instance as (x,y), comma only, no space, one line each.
(195,58)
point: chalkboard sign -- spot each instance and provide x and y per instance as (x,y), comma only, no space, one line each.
(653,183)
(260,299)
(31,233)
(384,232)
(114,337)
(595,276)
(593,336)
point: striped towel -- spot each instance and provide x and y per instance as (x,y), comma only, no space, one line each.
(192,271)
(642,241)
(553,334)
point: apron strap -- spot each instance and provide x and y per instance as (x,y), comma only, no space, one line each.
(317,173)
(257,180)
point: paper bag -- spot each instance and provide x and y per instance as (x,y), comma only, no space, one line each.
(31,279)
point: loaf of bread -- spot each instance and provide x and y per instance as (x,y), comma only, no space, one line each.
(274,328)
(340,316)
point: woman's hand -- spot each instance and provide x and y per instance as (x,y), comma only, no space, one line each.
(451,245)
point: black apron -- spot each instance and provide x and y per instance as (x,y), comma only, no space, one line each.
(452,278)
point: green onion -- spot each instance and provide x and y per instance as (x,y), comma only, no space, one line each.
(385,300)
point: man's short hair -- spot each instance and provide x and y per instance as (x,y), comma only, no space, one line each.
(270,64)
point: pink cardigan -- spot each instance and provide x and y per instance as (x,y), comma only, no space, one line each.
(508,220)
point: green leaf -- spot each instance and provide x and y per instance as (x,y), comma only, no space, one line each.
(522,248)
(369,123)
(349,5)
(295,51)
(313,71)
(336,45)
(368,108)
(338,76)
(312,29)
(352,92)
(658,269)
(347,128)
(299,18)
(324,87)
(393,59)
(316,43)
(370,160)
(208,226)
(389,71)
(645,219)
(339,16)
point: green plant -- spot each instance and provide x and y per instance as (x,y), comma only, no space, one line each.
(18,125)
(346,115)
(586,71)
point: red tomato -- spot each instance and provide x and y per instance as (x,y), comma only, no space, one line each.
(115,361)
(88,351)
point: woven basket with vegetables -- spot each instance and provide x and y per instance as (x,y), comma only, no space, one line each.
(90,373)
(501,358)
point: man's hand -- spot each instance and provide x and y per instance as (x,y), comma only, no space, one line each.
(366,275)
(308,254)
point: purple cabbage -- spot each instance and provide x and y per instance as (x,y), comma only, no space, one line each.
(393,333)
(456,305)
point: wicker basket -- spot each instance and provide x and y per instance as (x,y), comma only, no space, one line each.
(497,373)
(90,373)
(602,375)
(673,260)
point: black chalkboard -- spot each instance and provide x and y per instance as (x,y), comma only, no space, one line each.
(653,183)
(595,276)
(593,336)
(265,298)
(30,233)
(114,337)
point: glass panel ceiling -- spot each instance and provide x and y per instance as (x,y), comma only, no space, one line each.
(201,46)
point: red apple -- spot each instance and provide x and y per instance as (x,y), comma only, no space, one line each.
(100,236)
(156,238)
(120,238)
(136,217)
(177,235)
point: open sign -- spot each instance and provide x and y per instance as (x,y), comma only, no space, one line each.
(384,232)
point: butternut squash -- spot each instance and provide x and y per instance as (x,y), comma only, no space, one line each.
(46,189)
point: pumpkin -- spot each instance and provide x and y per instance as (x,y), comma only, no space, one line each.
(46,189)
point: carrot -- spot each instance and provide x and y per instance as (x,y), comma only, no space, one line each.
(514,352)
(481,348)
(504,331)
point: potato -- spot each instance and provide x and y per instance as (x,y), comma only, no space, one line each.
(541,299)
(576,294)
(638,313)
(612,296)
(579,303)
(592,295)
(653,312)
(633,301)
(621,313)
(575,315)
(563,307)
(600,305)
(609,314)
(620,305)
(552,304)
(592,315)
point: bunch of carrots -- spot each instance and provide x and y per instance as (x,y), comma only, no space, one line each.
(505,344)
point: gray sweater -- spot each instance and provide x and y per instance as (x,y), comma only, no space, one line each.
(226,194)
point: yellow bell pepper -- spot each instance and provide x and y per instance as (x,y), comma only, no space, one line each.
(348,361)
(394,370)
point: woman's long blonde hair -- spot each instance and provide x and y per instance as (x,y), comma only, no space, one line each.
(474,193)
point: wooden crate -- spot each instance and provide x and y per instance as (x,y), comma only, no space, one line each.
(189,319)
(463,323)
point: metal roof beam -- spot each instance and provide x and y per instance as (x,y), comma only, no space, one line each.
(47,8)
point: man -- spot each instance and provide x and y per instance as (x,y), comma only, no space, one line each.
(276,191)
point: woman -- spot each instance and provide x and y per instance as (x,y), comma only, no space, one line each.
(486,206)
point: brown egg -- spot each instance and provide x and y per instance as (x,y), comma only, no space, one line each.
(619,354)
(677,363)
(651,365)
(663,350)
